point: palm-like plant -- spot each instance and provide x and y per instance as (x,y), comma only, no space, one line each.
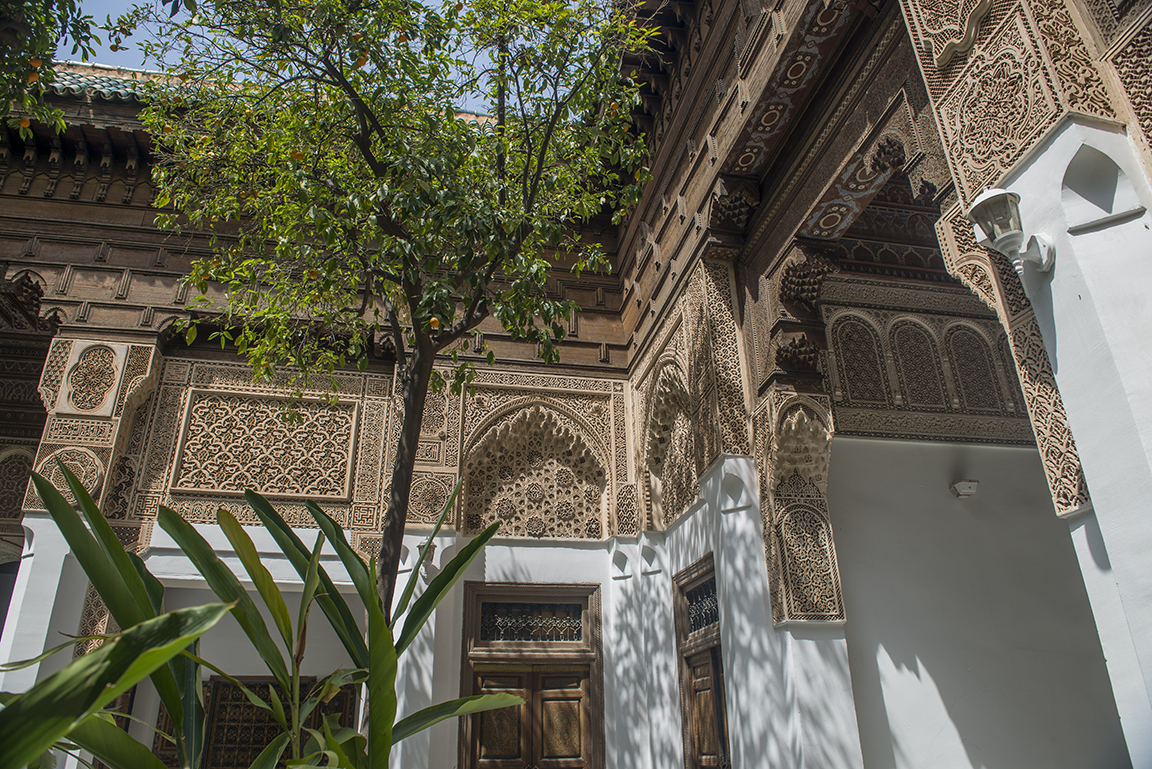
(67,709)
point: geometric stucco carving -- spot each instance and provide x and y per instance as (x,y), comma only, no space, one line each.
(897,373)
(793,436)
(948,27)
(801,446)
(235,441)
(989,276)
(537,477)
(91,390)
(670,447)
(1027,66)
(91,379)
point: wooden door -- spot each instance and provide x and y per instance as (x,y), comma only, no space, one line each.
(709,722)
(551,730)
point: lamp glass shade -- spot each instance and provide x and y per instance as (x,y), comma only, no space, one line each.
(997,214)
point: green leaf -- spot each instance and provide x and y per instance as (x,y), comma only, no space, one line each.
(31,723)
(311,582)
(381,685)
(71,642)
(225,585)
(270,756)
(111,544)
(331,602)
(261,578)
(357,569)
(110,583)
(103,738)
(191,727)
(425,718)
(411,586)
(151,584)
(440,586)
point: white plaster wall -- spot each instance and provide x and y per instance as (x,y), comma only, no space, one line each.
(970,637)
(1095,316)
(788,691)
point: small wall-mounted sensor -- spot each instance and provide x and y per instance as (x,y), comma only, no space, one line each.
(964,489)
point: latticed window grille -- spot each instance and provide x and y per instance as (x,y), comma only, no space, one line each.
(703,610)
(531,621)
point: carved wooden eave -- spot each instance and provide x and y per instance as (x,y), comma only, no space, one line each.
(802,65)
(61,165)
(20,308)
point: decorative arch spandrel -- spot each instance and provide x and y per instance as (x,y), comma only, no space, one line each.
(671,446)
(538,477)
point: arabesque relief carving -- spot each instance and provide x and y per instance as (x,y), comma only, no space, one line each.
(670,448)
(999,284)
(793,437)
(948,27)
(234,442)
(921,375)
(537,477)
(998,106)
(91,378)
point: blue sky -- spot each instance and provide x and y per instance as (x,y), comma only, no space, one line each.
(99,10)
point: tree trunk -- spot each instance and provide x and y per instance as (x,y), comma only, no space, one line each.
(414,389)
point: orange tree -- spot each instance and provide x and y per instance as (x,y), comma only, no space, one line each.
(321,144)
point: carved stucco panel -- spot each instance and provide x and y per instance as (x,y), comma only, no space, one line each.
(1133,64)
(999,104)
(946,27)
(537,476)
(1046,413)
(793,443)
(234,441)
(728,361)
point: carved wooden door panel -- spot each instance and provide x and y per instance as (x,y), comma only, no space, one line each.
(501,737)
(708,719)
(551,730)
(561,720)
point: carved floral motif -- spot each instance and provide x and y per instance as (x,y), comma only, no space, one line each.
(91,378)
(537,477)
(998,105)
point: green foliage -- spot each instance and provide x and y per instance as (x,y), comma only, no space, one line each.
(30,723)
(30,33)
(322,145)
(132,596)
(68,704)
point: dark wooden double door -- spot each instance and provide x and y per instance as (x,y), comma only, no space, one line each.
(551,730)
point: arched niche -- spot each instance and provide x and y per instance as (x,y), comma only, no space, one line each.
(1096,191)
(917,364)
(670,448)
(860,361)
(811,578)
(974,370)
(538,477)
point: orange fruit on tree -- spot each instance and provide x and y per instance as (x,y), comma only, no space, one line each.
(35,61)
(434,322)
(25,122)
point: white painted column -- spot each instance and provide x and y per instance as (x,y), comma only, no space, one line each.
(1086,189)
(1115,638)
(38,582)
(789,689)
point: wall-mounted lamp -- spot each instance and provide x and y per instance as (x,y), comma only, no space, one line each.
(996,214)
